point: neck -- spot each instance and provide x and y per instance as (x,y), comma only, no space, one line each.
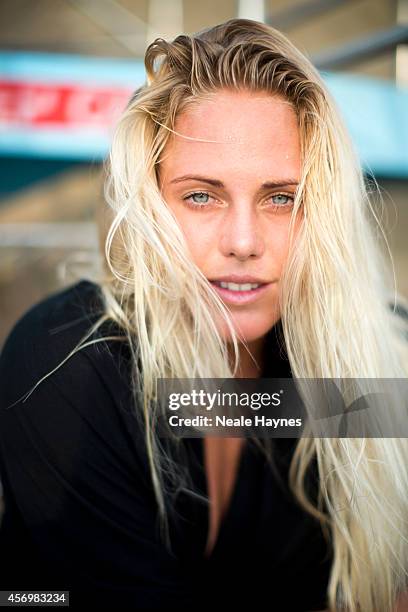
(251,359)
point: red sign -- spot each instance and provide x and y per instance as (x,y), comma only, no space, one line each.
(60,106)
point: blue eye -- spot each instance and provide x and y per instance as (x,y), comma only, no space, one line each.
(200,202)
(286,198)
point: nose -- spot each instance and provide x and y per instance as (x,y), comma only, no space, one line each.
(241,233)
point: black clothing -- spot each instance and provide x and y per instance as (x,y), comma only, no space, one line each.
(80,512)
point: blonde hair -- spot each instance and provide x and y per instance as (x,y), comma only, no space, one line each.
(337,295)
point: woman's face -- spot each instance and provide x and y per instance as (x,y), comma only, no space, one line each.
(232,192)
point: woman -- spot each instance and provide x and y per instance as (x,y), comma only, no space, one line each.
(238,244)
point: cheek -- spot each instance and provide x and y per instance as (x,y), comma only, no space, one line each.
(198,234)
(201,237)
(277,247)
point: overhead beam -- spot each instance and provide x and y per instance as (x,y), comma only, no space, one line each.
(362,49)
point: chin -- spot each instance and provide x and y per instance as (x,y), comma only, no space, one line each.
(249,328)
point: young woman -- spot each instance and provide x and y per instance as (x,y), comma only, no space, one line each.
(239,243)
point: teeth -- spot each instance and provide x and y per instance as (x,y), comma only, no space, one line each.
(237,287)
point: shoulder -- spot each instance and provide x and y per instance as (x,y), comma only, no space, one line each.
(55,406)
(47,333)
(51,325)
(47,385)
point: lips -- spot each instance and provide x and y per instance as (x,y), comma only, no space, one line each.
(240,297)
(241,279)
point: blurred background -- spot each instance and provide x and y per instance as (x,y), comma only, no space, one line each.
(67,68)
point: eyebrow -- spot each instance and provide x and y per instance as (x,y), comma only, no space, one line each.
(216,183)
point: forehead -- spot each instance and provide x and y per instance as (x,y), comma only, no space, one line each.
(235,129)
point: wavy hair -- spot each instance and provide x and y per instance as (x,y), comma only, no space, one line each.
(337,293)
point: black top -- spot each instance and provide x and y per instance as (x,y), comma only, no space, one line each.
(80,512)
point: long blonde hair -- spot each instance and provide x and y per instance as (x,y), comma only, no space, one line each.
(337,296)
